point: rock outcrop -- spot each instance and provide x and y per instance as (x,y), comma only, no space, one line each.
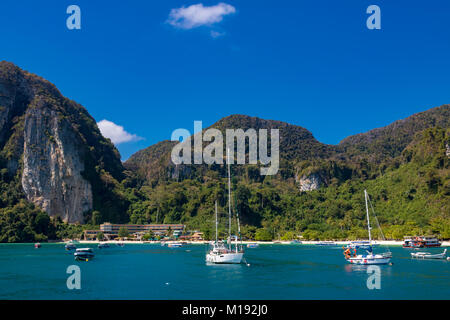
(52,166)
(310,182)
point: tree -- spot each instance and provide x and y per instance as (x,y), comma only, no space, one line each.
(100,236)
(123,232)
(288,236)
(311,234)
(263,235)
(148,236)
(96,217)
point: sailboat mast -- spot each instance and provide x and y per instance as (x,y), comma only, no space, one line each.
(368,221)
(229,197)
(216,222)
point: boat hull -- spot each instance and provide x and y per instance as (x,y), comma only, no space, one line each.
(426,255)
(83,256)
(436,245)
(370,259)
(225,258)
(431,256)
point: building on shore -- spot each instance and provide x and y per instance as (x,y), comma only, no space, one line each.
(194,236)
(111,231)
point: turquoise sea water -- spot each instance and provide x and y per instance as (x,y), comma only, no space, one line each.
(149,271)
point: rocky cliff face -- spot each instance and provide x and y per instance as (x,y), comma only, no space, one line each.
(54,148)
(310,182)
(52,166)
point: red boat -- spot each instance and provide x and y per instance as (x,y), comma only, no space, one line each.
(421,242)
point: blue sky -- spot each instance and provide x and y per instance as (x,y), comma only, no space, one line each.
(309,63)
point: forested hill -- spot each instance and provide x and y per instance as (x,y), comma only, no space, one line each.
(319,189)
(154,164)
(300,152)
(388,142)
(56,169)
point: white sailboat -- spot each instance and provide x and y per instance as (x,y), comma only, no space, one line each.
(368,258)
(221,253)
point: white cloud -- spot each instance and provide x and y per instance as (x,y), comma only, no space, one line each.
(116,133)
(197,15)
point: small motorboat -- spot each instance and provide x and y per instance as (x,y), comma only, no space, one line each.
(37,245)
(174,244)
(120,244)
(296,242)
(70,246)
(103,245)
(427,255)
(84,254)
(253,245)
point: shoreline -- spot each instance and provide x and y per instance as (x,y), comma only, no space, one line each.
(309,242)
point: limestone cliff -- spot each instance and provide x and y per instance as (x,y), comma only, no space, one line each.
(52,166)
(309,182)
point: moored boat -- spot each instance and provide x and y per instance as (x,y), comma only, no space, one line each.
(174,244)
(325,243)
(361,245)
(70,246)
(84,254)
(428,255)
(219,253)
(252,245)
(368,258)
(103,245)
(37,245)
(421,242)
